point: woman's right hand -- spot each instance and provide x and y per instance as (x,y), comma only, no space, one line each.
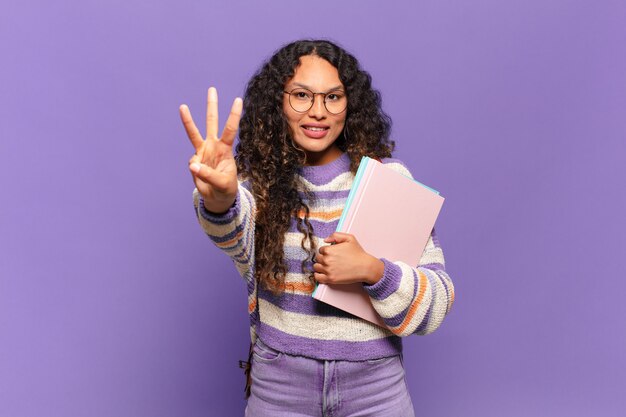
(213,165)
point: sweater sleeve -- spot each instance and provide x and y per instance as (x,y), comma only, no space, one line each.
(233,231)
(414,299)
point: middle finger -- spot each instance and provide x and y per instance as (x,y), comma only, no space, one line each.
(211,114)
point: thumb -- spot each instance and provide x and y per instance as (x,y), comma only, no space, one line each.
(202,171)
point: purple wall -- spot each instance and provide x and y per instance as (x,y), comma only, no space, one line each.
(112,301)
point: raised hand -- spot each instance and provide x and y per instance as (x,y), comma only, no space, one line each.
(213,165)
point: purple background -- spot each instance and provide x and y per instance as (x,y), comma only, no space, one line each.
(113,302)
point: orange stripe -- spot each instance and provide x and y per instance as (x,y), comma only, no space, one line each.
(304,287)
(232,241)
(420,296)
(322,215)
(291,286)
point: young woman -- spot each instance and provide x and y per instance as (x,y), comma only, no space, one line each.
(309,115)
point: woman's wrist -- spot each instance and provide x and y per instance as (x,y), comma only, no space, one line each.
(375,270)
(218,207)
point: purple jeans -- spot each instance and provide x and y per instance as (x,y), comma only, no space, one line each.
(295,386)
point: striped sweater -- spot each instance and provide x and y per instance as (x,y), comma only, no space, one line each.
(409,299)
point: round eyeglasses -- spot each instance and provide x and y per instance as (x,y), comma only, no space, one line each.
(302,99)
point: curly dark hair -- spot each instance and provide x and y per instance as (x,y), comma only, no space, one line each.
(266,156)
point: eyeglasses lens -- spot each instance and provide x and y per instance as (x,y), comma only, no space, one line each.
(301,100)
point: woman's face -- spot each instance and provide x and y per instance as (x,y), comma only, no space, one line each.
(316,130)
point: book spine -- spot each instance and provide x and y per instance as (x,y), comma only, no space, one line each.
(362,190)
(320,291)
(347,210)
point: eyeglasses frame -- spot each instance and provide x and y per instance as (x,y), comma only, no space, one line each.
(313,101)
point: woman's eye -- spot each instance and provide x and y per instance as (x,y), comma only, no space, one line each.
(301,95)
(333,97)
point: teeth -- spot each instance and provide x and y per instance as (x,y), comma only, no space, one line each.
(317,129)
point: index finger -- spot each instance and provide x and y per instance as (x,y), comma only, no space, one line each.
(338,237)
(192,131)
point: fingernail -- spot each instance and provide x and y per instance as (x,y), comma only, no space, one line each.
(195,167)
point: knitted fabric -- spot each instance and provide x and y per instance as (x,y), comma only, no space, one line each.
(410,299)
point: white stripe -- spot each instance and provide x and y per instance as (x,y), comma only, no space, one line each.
(294,240)
(398,167)
(433,256)
(339,183)
(327,203)
(430,244)
(439,302)
(320,328)
(422,309)
(399,300)
(450,287)
(219,230)
(321,214)
(293,250)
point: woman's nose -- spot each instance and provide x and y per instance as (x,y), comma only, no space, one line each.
(318,109)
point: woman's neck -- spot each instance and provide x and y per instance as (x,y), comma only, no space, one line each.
(324,157)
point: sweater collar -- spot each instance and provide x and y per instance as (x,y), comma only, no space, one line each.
(321,174)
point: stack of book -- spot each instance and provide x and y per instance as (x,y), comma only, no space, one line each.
(391,215)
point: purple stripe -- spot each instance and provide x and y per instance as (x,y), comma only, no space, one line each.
(242,257)
(201,212)
(424,323)
(247,184)
(293,227)
(445,287)
(228,236)
(251,283)
(426,318)
(388,284)
(433,266)
(328,195)
(254,317)
(295,265)
(329,349)
(322,229)
(225,248)
(247,241)
(397,320)
(435,238)
(302,304)
(219,218)
(241,244)
(323,174)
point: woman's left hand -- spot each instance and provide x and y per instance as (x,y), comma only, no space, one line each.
(346,262)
